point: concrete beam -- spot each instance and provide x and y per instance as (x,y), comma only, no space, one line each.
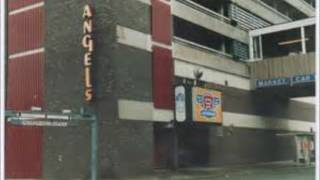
(186,69)
(207,21)
(144,111)
(302,6)
(282,27)
(196,54)
(285,66)
(263,10)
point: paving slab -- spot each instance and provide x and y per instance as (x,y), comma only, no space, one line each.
(263,171)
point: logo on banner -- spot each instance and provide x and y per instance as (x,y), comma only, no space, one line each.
(207,105)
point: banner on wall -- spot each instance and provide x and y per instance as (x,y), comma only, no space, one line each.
(206,105)
(180,104)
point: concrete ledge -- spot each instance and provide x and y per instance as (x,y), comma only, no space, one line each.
(302,6)
(208,58)
(285,66)
(186,69)
(197,17)
(263,10)
(137,110)
(142,111)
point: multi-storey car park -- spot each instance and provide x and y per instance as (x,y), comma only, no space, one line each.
(129,55)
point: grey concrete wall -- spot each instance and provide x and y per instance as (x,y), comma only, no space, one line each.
(236,146)
(286,66)
(263,104)
(205,144)
(125,148)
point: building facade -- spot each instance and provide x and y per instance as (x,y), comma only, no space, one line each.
(131,61)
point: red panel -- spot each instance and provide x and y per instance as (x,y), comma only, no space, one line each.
(161,22)
(15,4)
(25,30)
(162,78)
(24,144)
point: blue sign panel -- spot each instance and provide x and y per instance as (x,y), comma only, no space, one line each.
(273,82)
(303,78)
(285,81)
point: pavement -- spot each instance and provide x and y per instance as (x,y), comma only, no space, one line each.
(264,171)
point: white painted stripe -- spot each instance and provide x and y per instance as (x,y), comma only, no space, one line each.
(165,46)
(32,116)
(134,38)
(58,117)
(186,69)
(166,2)
(26,53)
(145,1)
(261,122)
(149,2)
(137,39)
(142,111)
(135,110)
(26,8)
(161,115)
(310,100)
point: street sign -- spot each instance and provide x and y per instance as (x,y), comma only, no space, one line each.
(47,123)
(285,81)
(38,118)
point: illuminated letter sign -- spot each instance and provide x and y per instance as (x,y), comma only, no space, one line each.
(87,43)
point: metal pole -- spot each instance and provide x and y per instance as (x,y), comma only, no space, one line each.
(303,41)
(94,150)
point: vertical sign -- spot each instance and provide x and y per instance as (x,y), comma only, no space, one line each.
(180,99)
(206,105)
(87,43)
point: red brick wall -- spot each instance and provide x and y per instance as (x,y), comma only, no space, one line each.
(162,57)
(25,30)
(24,89)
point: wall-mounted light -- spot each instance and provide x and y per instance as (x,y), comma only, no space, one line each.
(197,74)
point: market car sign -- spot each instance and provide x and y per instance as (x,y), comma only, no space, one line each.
(273,82)
(303,78)
(206,105)
(87,43)
(286,81)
